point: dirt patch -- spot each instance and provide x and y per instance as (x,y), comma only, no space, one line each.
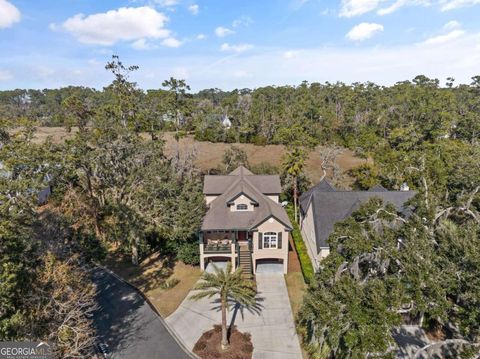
(208,346)
(209,155)
(164,281)
(293,262)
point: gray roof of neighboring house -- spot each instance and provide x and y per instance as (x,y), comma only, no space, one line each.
(330,206)
(266,184)
(242,181)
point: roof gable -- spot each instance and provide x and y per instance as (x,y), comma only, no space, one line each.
(219,217)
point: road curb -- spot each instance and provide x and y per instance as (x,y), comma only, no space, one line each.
(174,335)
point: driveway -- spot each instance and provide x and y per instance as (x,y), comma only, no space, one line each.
(128,325)
(272,326)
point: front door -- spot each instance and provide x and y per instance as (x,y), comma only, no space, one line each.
(242,237)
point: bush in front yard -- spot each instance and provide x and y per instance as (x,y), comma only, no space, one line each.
(189,253)
(305,263)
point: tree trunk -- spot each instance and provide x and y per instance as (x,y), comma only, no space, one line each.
(224,324)
(135,252)
(295,197)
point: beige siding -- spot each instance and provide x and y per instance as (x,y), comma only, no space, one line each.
(274,197)
(209,199)
(308,234)
(323,253)
(271,225)
(242,200)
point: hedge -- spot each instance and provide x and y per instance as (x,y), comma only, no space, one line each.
(305,263)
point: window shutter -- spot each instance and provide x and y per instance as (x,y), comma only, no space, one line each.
(279,240)
(260,240)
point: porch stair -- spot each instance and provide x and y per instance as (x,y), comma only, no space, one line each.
(245,261)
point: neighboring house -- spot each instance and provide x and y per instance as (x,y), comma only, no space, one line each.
(322,206)
(244,224)
(226,122)
(42,195)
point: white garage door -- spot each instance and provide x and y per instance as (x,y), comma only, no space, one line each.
(273,266)
(218,264)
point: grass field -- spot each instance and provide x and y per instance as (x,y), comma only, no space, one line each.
(209,155)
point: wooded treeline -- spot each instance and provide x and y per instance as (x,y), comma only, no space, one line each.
(354,115)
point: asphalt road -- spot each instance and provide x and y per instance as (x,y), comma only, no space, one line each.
(128,325)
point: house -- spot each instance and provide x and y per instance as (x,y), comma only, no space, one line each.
(245,223)
(322,206)
(226,122)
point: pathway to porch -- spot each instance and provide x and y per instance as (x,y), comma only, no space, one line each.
(272,327)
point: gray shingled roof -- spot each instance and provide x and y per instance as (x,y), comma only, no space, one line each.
(331,206)
(220,217)
(266,184)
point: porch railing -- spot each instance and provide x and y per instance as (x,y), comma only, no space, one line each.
(217,248)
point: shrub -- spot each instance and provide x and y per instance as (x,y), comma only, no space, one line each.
(305,263)
(189,253)
(92,247)
(170,283)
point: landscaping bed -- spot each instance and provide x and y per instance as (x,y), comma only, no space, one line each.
(209,345)
(305,263)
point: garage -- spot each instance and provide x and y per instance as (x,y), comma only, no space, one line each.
(269,266)
(219,263)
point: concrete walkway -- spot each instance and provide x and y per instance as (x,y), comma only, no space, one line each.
(271,326)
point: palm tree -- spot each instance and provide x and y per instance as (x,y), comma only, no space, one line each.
(231,287)
(293,166)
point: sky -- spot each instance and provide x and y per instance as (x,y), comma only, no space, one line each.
(231,44)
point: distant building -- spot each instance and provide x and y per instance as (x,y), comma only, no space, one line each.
(226,122)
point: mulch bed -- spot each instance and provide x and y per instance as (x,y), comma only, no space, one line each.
(208,346)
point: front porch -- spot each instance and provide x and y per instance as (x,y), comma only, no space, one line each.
(232,246)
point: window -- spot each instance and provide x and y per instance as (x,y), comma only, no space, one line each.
(242,207)
(270,240)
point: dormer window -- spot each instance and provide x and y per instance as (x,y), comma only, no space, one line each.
(242,207)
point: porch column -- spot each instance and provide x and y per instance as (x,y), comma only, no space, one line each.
(202,259)
(233,257)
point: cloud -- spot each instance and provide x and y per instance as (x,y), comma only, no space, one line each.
(452,25)
(223,31)
(456,4)
(384,65)
(241,74)
(194,9)
(441,39)
(239,48)
(167,3)
(350,8)
(5,75)
(242,21)
(9,14)
(290,54)
(140,44)
(124,24)
(401,3)
(171,42)
(363,31)
(201,37)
